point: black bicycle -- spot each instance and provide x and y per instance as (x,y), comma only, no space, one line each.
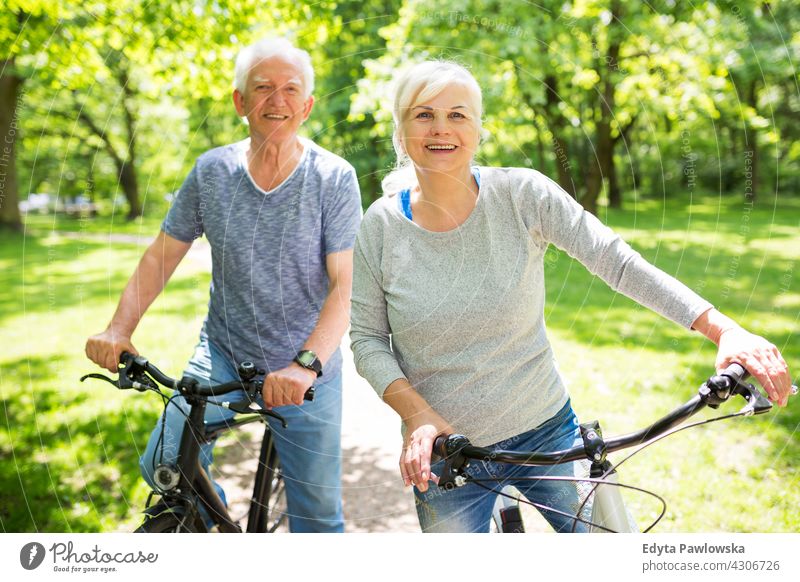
(184,487)
(608,512)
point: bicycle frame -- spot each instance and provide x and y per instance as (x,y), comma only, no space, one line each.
(194,478)
(186,484)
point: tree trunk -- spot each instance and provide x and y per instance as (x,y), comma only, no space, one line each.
(127,172)
(10,84)
(614,192)
(603,166)
(556,123)
(751,150)
(130,188)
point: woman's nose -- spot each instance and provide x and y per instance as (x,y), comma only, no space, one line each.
(440,126)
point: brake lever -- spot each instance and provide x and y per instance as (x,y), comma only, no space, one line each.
(251,407)
(454,462)
(756,403)
(114,383)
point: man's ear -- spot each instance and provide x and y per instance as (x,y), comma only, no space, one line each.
(238,102)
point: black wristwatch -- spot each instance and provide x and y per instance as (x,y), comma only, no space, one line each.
(309,361)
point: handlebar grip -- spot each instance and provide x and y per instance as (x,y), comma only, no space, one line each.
(309,395)
(736,372)
(440,445)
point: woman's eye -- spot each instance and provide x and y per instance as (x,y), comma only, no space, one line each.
(424,115)
(458,115)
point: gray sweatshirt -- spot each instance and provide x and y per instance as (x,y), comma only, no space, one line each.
(460,314)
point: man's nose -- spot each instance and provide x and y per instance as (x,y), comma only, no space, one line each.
(276,98)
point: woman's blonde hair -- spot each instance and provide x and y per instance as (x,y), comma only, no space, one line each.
(418,84)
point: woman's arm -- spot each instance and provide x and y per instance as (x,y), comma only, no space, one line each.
(423,425)
(375,360)
(557,218)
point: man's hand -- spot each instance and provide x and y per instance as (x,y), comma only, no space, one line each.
(105,348)
(287,386)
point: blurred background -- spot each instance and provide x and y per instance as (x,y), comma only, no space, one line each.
(676,123)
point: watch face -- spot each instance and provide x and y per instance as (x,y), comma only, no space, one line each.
(306,358)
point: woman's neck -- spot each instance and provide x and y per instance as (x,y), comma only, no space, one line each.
(443,201)
(446,189)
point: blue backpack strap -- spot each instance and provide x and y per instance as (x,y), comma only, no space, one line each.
(476,173)
(404,199)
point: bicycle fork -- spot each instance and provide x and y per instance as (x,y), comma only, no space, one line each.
(608,508)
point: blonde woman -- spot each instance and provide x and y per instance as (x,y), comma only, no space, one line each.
(447,306)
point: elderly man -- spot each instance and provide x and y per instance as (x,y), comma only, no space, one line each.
(280,214)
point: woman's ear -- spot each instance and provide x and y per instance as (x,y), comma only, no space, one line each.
(399,146)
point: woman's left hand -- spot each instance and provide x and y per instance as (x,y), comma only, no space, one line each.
(760,357)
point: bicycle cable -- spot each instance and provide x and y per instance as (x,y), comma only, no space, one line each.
(575,519)
(644,446)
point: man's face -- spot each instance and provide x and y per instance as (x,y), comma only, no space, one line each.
(274,99)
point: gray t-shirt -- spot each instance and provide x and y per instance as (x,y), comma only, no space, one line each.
(268,249)
(460,314)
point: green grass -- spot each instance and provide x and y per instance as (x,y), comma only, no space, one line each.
(42,224)
(68,451)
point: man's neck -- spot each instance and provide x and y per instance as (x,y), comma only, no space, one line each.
(270,162)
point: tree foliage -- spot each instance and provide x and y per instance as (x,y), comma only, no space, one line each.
(612,98)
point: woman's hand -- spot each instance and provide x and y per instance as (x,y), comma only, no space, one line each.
(757,355)
(415,459)
(761,358)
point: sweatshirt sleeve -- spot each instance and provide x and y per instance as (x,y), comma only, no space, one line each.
(369,323)
(555,217)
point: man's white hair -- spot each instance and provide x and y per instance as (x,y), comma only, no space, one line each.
(253,54)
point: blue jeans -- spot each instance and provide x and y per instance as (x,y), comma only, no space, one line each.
(468,509)
(309,449)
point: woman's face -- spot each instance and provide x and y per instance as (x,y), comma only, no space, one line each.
(441,134)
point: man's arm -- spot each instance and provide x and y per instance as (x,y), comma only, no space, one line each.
(148,280)
(334,317)
(287,386)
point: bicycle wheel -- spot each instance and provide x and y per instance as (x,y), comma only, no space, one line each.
(268,504)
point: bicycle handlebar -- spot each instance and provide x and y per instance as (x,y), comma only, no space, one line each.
(712,393)
(132,364)
(139,373)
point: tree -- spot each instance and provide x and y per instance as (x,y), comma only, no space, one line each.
(22,32)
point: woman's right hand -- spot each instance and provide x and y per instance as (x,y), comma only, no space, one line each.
(105,348)
(415,459)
